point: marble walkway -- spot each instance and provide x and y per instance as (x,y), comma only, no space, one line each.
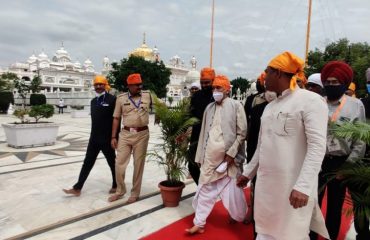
(33,206)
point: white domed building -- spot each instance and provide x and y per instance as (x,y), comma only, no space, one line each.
(59,74)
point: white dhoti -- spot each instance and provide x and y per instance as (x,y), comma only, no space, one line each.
(264,237)
(231,196)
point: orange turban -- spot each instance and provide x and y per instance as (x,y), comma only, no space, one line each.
(289,63)
(207,74)
(134,78)
(100,79)
(261,78)
(221,81)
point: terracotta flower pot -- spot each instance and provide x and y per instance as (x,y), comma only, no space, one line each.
(171,195)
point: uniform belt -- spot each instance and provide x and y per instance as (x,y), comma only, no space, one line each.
(135,129)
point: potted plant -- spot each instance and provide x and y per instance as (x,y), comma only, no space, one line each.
(26,134)
(356,173)
(172,152)
(78,111)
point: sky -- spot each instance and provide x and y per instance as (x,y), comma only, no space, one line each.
(247,33)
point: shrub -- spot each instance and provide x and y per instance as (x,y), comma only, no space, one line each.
(21,114)
(5,99)
(41,111)
(37,99)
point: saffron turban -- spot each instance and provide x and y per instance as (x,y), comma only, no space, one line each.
(261,78)
(339,70)
(134,78)
(207,74)
(100,79)
(289,63)
(352,86)
(221,81)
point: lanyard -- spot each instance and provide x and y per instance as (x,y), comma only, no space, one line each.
(133,102)
(335,115)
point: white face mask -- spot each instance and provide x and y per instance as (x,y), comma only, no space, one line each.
(218,96)
(99,94)
(270,96)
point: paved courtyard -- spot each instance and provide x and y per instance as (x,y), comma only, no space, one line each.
(33,206)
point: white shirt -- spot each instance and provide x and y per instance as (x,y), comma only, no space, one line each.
(289,154)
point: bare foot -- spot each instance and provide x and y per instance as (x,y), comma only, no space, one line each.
(72,191)
(194,230)
(114,197)
(132,200)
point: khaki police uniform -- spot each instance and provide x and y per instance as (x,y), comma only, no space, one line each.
(133,138)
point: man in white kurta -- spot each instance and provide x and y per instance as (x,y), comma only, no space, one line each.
(221,144)
(288,158)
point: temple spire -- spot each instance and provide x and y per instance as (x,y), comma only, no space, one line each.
(144,42)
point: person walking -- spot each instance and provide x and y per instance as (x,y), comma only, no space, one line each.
(101,107)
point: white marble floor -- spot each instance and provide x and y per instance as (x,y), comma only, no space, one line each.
(32,204)
(31,183)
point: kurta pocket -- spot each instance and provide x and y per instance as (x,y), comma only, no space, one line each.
(285,124)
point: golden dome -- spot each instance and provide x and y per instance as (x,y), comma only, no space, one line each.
(143,51)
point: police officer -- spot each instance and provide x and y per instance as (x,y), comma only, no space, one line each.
(133,107)
(102,107)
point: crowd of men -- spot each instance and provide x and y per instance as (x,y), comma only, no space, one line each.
(289,149)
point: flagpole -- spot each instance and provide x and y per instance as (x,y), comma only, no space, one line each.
(212,25)
(308,30)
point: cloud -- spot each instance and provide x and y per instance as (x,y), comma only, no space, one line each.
(247,33)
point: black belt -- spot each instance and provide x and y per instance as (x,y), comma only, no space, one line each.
(135,129)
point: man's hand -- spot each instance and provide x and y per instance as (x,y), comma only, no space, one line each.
(242,181)
(113,143)
(229,160)
(298,199)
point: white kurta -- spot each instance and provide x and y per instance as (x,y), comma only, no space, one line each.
(289,154)
(213,184)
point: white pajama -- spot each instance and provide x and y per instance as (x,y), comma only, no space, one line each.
(231,196)
(264,237)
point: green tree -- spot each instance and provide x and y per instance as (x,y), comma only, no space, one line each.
(41,111)
(355,54)
(22,89)
(6,81)
(35,85)
(242,83)
(155,75)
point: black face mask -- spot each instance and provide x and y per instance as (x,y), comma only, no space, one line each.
(334,92)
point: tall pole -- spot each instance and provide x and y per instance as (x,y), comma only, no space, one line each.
(308,31)
(212,24)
